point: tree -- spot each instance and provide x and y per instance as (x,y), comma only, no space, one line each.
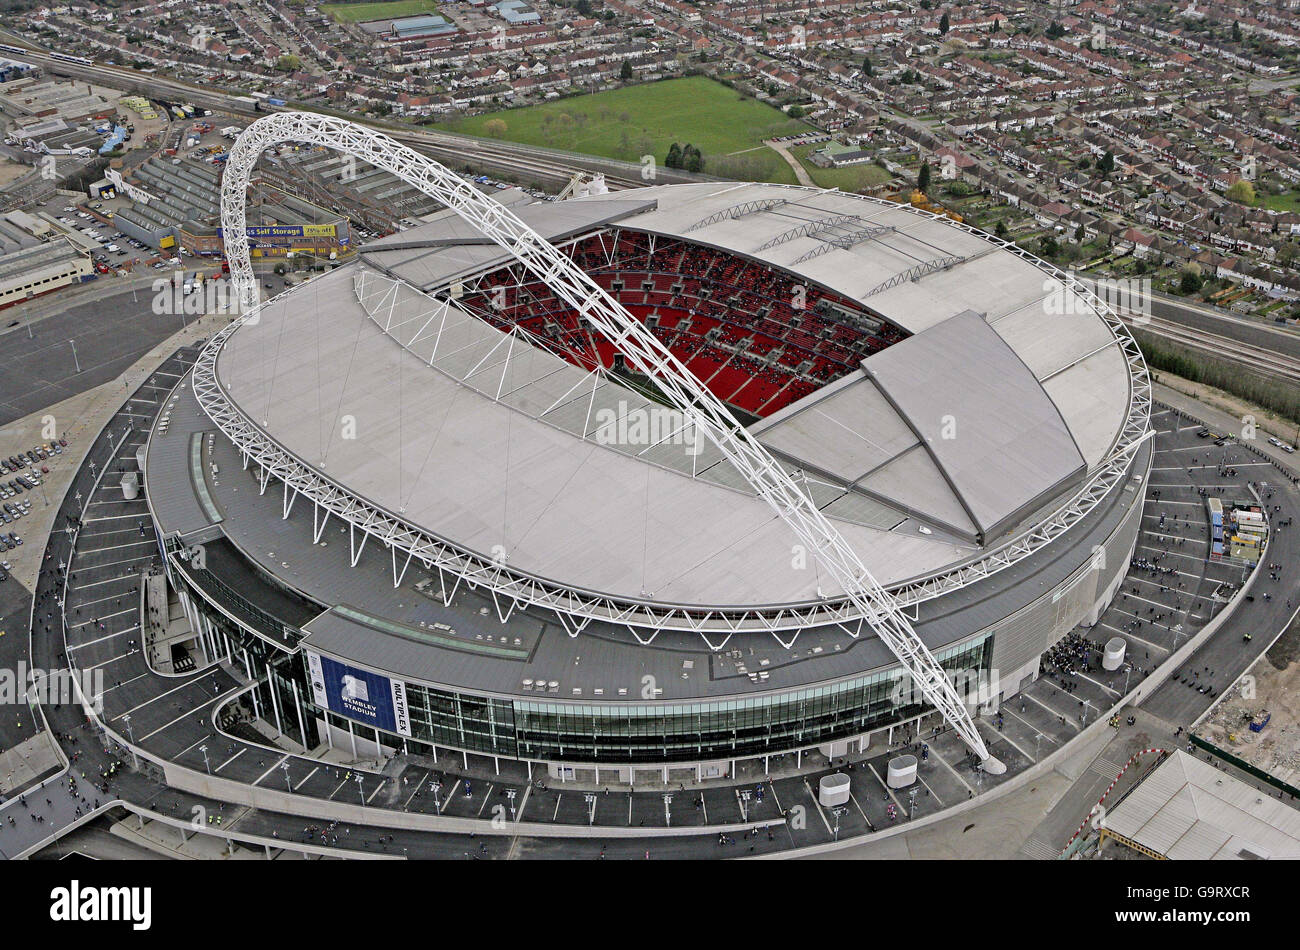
(674,159)
(923,177)
(1236,31)
(1048,247)
(625,71)
(1190,281)
(1242,192)
(495,127)
(795,112)
(867,68)
(1000,229)
(288,63)
(694,161)
(944,23)
(1107,164)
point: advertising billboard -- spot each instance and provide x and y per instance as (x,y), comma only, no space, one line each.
(369,698)
(269,232)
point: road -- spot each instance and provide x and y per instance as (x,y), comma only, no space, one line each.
(799,172)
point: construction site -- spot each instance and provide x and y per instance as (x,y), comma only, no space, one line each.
(1258,720)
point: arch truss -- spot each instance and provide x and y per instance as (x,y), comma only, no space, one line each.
(642,350)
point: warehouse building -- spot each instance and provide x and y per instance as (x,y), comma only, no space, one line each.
(38,270)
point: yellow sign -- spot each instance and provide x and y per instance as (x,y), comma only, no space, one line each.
(168,241)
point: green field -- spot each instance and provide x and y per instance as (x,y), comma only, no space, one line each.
(1286,202)
(627,123)
(390,9)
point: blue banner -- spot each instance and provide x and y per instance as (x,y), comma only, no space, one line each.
(369,698)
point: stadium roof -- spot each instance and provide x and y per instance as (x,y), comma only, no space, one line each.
(923,430)
(1189,810)
(493,444)
(445,246)
(1065,345)
(487,476)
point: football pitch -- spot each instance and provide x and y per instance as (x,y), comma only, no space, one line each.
(394,9)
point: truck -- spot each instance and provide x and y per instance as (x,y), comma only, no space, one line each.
(274,102)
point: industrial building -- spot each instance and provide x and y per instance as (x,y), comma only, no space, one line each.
(37,270)
(1188,810)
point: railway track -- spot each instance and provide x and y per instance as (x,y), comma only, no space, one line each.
(1254,357)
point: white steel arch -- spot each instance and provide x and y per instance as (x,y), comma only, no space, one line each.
(627,334)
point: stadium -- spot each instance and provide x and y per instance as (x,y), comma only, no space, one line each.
(850,456)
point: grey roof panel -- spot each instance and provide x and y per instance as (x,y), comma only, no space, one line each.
(1002,449)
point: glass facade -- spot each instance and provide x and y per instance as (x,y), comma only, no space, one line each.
(630,733)
(608,733)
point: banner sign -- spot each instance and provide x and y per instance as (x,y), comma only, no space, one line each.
(258,232)
(365,697)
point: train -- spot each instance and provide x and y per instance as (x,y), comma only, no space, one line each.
(79,60)
(63,57)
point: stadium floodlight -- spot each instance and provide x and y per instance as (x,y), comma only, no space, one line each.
(642,350)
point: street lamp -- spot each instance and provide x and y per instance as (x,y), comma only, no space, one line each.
(285,766)
(668,815)
(744,805)
(207,767)
(510,796)
(590,799)
(75,361)
(361,791)
(436,787)
(838,811)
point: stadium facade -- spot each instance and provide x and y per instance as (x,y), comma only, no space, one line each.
(421,504)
